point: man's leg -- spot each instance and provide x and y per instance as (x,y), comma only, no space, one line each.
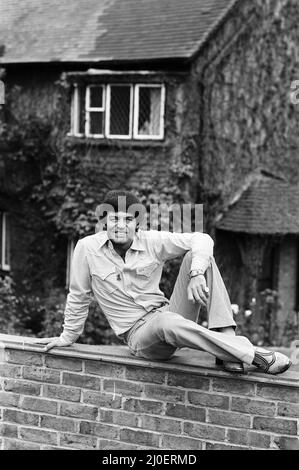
(219,307)
(220,319)
(160,333)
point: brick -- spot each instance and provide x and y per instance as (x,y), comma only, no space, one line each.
(189,413)
(77,441)
(8,430)
(287,443)
(38,404)
(204,431)
(106,444)
(248,438)
(238,436)
(209,400)
(106,400)
(257,439)
(99,429)
(145,375)
(66,363)
(14,444)
(180,443)
(62,393)
(122,418)
(78,411)
(255,407)
(160,392)
(20,417)
(105,369)
(139,437)
(122,387)
(233,386)
(41,374)
(11,371)
(187,380)
(143,406)
(57,423)
(217,446)
(286,409)
(161,424)
(24,357)
(81,380)
(227,418)
(276,425)
(22,387)
(281,393)
(38,435)
(9,399)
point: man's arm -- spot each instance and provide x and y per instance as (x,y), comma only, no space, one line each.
(77,303)
(169,245)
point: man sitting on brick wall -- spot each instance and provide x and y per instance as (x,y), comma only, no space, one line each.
(122,267)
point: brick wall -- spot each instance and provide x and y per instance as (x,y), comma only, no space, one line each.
(88,397)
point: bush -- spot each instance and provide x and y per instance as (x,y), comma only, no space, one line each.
(19,314)
(30,315)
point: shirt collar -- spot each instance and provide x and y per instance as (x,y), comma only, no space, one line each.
(136,244)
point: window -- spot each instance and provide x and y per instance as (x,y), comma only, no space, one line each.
(5,242)
(94,125)
(118,111)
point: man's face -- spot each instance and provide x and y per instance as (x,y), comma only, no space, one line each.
(121,227)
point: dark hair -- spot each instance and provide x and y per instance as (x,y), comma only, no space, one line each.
(127,199)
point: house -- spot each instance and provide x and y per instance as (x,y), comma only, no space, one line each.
(178,101)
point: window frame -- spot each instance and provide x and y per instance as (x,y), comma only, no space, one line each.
(5,263)
(75,110)
(107,119)
(105,109)
(136,111)
(89,109)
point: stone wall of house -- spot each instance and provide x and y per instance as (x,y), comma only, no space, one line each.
(245,75)
(91,398)
(249,119)
(163,171)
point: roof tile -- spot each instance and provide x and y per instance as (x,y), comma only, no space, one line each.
(268,206)
(93,30)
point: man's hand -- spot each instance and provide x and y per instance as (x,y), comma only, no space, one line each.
(55,342)
(197,290)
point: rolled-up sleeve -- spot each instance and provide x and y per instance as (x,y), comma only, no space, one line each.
(79,296)
(168,245)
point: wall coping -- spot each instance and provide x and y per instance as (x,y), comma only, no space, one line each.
(185,360)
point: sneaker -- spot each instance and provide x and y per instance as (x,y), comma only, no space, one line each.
(271,362)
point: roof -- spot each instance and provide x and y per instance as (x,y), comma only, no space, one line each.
(268,206)
(36,31)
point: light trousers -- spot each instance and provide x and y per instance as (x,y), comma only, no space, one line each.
(161,332)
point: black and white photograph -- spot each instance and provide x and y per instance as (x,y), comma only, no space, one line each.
(149,229)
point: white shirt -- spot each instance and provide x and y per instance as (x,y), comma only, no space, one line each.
(126,290)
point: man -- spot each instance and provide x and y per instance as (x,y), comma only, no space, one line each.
(122,267)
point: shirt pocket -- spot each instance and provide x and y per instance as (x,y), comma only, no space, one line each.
(147,270)
(105,277)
